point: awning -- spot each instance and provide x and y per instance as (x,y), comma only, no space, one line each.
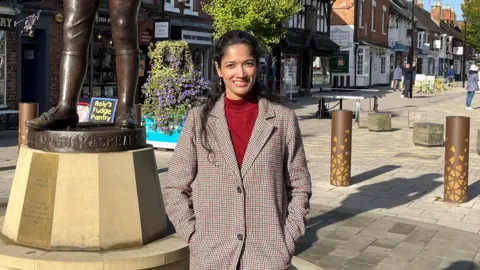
(297,38)
(322,45)
(398,48)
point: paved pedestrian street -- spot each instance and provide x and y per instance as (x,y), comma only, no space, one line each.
(392,215)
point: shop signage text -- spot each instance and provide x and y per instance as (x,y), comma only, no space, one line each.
(102,19)
(7,22)
(195,37)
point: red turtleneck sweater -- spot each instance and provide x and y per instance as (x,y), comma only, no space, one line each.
(241,116)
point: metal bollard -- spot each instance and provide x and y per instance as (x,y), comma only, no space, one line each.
(138,114)
(456,159)
(27,111)
(341,158)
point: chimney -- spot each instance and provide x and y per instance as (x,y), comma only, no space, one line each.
(419,3)
(447,14)
(436,13)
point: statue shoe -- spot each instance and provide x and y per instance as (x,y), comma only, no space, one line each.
(52,120)
(125,120)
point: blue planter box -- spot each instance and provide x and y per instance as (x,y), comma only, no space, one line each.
(159,139)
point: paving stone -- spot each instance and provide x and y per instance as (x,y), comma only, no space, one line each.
(405,251)
(359,222)
(343,233)
(391,263)
(355,264)
(442,216)
(466,244)
(440,248)
(388,242)
(402,228)
(423,262)
(420,236)
(358,243)
(337,259)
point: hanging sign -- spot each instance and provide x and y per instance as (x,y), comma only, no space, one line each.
(30,23)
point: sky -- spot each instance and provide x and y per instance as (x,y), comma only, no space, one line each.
(453,3)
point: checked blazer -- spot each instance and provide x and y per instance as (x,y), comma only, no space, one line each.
(248,217)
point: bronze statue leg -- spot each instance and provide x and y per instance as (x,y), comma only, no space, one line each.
(124,15)
(77,29)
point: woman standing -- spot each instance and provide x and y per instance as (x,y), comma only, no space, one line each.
(238,188)
(472,85)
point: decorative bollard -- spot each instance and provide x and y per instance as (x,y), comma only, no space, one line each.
(138,114)
(456,159)
(341,148)
(27,111)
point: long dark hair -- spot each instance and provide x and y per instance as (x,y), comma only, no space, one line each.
(218,87)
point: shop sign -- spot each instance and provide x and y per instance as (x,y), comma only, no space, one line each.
(146,37)
(195,37)
(339,62)
(7,22)
(162,30)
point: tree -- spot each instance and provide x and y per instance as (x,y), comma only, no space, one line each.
(471,12)
(259,17)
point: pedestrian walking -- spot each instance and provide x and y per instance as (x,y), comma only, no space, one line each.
(472,86)
(408,79)
(451,74)
(238,187)
(397,78)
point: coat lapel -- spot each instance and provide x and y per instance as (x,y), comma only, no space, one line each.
(261,133)
(219,128)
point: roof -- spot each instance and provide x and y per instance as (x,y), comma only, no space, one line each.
(451,30)
(423,17)
(397,7)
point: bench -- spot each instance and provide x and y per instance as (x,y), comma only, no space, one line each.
(8,119)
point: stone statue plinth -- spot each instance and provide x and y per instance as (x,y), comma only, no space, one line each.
(88,198)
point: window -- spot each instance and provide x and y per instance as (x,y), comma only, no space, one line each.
(373,18)
(360,13)
(360,60)
(342,38)
(3,63)
(383,65)
(189,4)
(384,14)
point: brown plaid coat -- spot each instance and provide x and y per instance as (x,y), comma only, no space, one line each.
(253,216)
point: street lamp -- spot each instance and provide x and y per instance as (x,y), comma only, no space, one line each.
(464,55)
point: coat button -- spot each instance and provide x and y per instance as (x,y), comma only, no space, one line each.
(240,236)
(239,189)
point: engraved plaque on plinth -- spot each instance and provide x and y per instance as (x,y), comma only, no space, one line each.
(37,216)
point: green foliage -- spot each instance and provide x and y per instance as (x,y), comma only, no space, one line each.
(471,11)
(173,87)
(259,17)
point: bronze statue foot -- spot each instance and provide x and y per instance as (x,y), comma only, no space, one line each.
(125,120)
(53,120)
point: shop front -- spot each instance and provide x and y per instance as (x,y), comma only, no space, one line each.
(200,44)
(8,48)
(100,80)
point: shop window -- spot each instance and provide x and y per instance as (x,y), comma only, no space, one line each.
(3,70)
(104,76)
(198,60)
(360,61)
(383,65)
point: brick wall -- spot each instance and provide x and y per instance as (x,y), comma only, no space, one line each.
(375,36)
(343,13)
(11,70)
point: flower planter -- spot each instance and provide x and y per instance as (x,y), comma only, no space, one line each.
(158,139)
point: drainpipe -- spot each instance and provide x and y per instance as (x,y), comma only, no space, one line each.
(355,29)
